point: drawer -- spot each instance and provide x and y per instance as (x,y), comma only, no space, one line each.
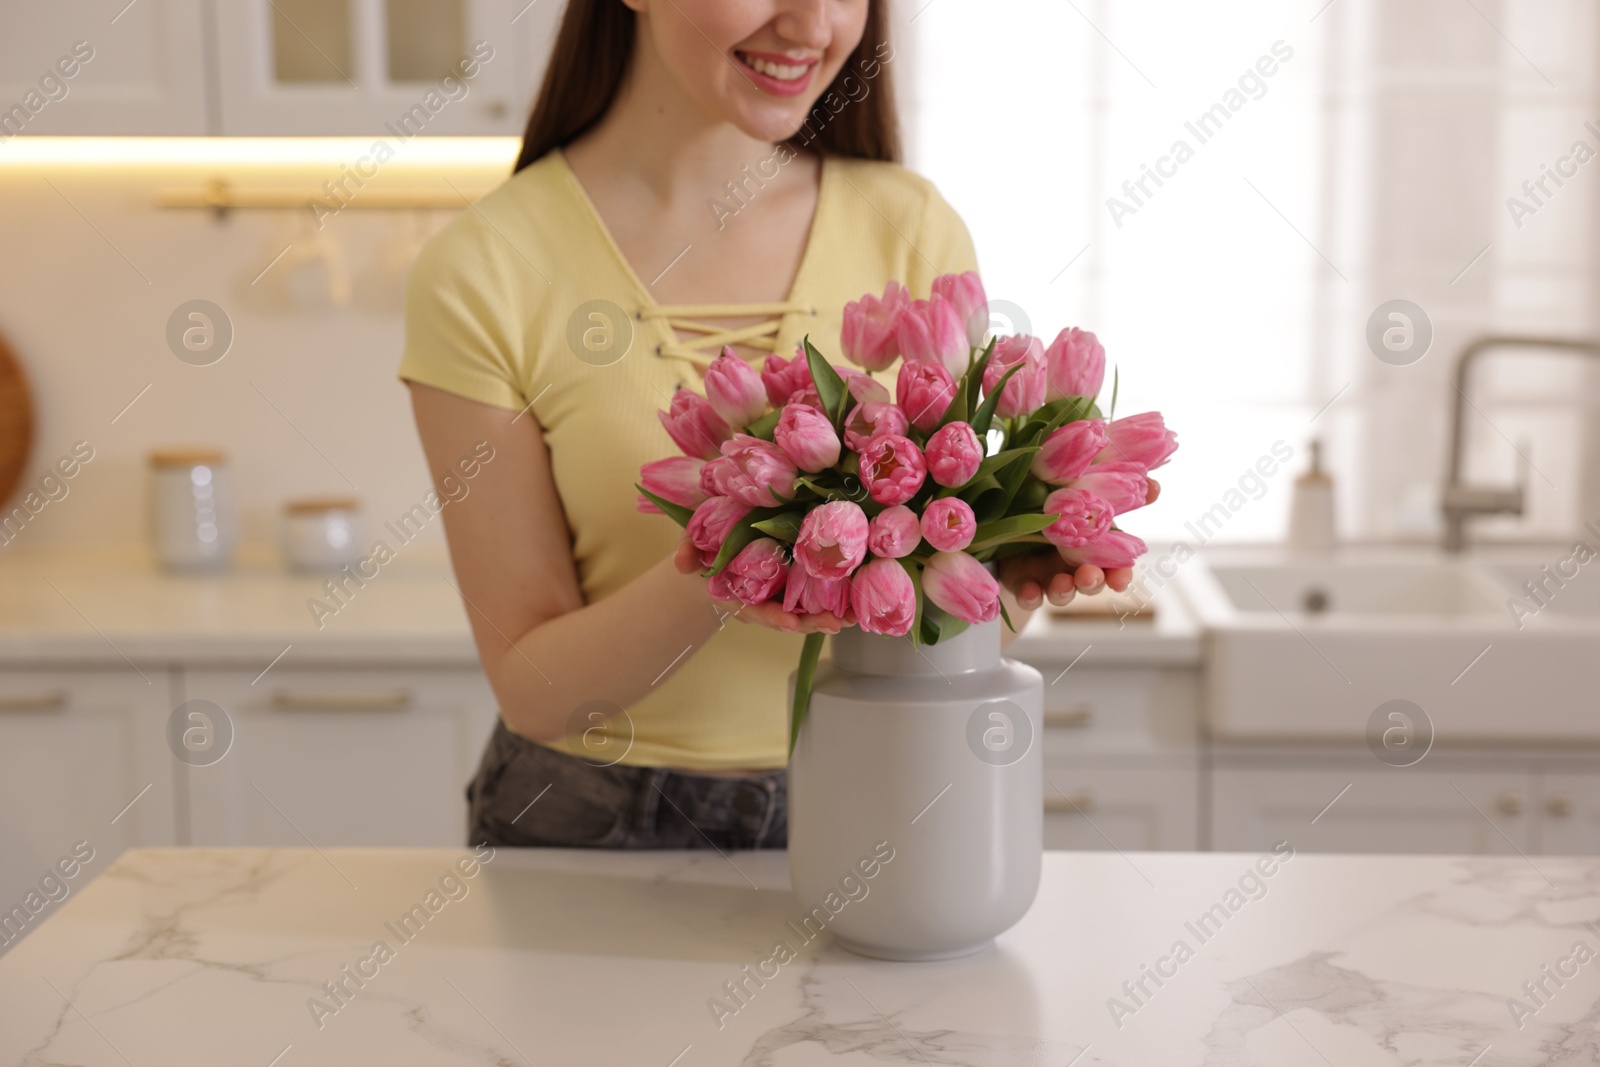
(340,756)
(1131,805)
(1128,709)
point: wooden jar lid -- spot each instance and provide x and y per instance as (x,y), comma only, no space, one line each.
(187,457)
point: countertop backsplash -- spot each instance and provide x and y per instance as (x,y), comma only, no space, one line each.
(305,402)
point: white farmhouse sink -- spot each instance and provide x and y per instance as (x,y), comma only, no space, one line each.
(1309,649)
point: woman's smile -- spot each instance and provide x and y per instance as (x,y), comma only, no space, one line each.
(778,73)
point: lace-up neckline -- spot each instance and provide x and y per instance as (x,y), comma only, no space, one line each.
(689,338)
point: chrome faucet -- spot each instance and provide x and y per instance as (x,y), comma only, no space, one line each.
(1460,502)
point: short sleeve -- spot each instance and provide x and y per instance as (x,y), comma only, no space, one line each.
(461,333)
(946,246)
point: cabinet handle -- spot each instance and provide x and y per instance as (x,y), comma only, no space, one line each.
(1080,803)
(1558,806)
(1073,717)
(392,700)
(54,700)
(1509,803)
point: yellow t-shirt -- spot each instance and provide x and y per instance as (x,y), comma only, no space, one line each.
(495,312)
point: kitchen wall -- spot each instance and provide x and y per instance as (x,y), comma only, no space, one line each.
(305,402)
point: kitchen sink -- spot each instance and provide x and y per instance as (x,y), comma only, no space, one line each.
(1313,648)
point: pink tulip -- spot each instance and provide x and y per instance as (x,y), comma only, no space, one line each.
(714,477)
(833,540)
(965,293)
(694,425)
(932,330)
(1113,549)
(948,524)
(1075,365)
(760,474)
(924,390)
(807,395)
(1069,450)
(676,479)
(894,532)
(863,388)
(735,389)
(868,337)
(962,586)
(711,524)
(782,377)
(806,437)
(1122,485)
(892,468)
(1081,517)
(1142,439)
(806,595)
(1024,393)
(883,597)
(754,575)
(873,420)
(953,454)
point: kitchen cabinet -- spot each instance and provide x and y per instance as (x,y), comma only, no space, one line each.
(1567,810)
(340,756)
(134,69)
(1343,805)
(1127,805)
(389,68)
(77,747)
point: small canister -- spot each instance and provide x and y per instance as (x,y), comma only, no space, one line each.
(196,526)
(322,534)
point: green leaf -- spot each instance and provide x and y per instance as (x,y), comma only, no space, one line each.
(967,389)
(676,512)
(1013,528)
(1116,381)
(764,426)
(743,532)
(1006,615)
(805,676)
(831,389)
(1065,410)
(785,527)
(985,413)
(915,572)
(993,463)
(949,626)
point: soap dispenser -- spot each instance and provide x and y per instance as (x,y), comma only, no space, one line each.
(1312,528)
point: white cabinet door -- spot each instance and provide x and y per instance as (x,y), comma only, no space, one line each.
(138,69)
(1346,807)
(378,67)
(1101,805)
(76,749)
(1568,816)
(340,757)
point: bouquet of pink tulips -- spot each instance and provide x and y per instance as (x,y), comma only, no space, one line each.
(805,484)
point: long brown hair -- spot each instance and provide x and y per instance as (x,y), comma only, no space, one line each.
(595,46)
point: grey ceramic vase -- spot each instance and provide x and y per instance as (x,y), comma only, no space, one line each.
(915,794)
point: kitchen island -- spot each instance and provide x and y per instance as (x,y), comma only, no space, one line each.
(287,957)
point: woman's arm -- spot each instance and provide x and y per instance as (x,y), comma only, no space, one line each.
(546,652)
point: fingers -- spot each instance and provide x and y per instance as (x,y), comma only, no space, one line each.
(1089,579)
(1118,578)
(685,557)
(1029,595)
(1062,590)
(1153,492)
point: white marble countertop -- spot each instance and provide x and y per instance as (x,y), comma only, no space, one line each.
(93,608)
(176,957)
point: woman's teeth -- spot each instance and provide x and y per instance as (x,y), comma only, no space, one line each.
(780,71)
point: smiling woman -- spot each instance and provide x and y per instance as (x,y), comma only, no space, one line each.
(557,319)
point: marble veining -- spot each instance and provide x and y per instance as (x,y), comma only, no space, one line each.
(177,956)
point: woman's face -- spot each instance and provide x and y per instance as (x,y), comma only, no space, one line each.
(758,64)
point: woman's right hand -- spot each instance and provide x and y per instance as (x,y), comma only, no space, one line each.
(686,559)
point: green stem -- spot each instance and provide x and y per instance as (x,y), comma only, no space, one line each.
(804,676)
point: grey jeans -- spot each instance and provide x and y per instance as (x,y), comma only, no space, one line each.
(528,795)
